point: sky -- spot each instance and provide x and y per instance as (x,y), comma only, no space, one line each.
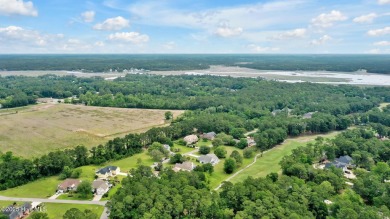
(195,26)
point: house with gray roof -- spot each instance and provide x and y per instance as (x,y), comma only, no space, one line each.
(108,171)
(209,136)
(100,187)
(185,166)
(343,162)
(209,158)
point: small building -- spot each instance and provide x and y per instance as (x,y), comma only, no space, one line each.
(108,171)
(191,139)
(13,212)
(209,158)
(185,166)
(308,115)
(100,187)
(68,185)
(251,141)
(209,136)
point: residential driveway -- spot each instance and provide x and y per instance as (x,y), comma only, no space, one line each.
(122,174)
(97,197)
(55,196)
(105,213)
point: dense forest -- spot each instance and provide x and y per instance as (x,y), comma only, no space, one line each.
(103,63)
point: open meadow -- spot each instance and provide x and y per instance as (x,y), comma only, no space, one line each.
(35,130)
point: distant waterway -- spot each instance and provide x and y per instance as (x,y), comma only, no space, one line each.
(325,77)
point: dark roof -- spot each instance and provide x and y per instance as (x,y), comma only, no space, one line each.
(13,212)
(345,159)
(340,162)
(26,206)
(106,169)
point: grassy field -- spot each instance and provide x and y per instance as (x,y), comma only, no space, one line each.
(34,130)
(270,160)
(128,163)
(383,105)
(56,210)
(42,188)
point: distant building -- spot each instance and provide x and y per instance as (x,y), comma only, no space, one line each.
(185,166)
(251,141)
(108,171)
(209,136)
(100,187)
(191,139)
(68,185)
(308,115)
(209,158)
(343,162)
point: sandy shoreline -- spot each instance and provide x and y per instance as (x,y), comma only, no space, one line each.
(354,78)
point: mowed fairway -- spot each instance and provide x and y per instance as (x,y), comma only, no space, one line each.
(36,130)
(269,162)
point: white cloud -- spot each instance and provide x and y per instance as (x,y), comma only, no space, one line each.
(17,34)
(379,32)
(19,7)
(88,16)
(297,33)
(169,45)
(224,30)
(133,37)
(116,23)
(383,2)
(368,18)
(321,40)
(259,49)
(327,20)
(382,43)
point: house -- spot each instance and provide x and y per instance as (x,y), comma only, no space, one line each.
(191,139)
(209,158)
(26,208)
(308,115)
(185,166)
(100,187)
(68,185)
(251,141)
(108,171)
(275,112)
(343,162)
(15,212)
(209,136)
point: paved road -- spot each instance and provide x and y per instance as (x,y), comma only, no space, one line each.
(3,198)
(105,213)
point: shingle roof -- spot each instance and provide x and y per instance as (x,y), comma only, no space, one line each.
(69,183)
(100,184)
(185,166)
(106,169)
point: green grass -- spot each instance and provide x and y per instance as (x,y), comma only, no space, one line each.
(74,197)
(111,192)
(270,160)
(42,188)
(183,149)
(57,210)
(129,163)
(383,105)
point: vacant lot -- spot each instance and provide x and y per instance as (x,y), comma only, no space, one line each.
(35,130)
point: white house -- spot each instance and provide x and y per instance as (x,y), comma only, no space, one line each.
(209,158)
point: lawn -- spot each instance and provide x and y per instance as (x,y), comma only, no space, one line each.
(383,105)
(47,127)
(129,163)
(57,210)
(74,197)
(270,160)
(42,188)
